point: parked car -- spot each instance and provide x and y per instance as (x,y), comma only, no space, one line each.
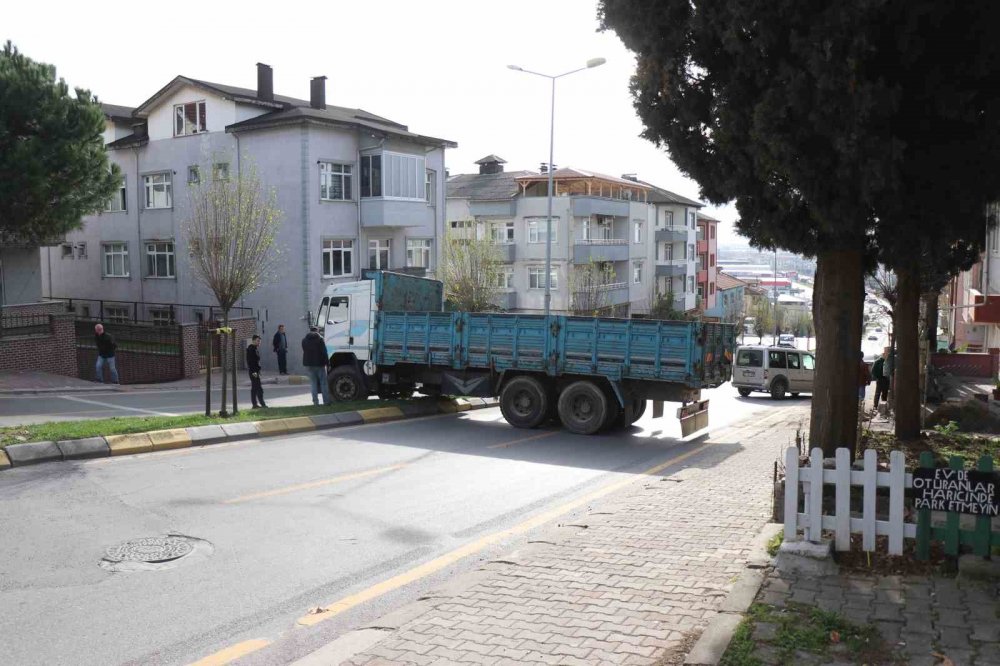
(773,369)
(873,337)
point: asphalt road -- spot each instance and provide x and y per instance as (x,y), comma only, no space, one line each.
(25,409)
(291,523)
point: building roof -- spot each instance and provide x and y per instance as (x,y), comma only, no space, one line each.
(484,186)
(130,140)
(660,195)
(570,173)
(118,112)
(707,218)
(727,281)
(491,159)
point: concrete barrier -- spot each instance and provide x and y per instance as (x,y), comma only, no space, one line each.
(4,460)
(32,453)
(82,449)
(299,424)
(206,434)
(124,445)
(380,414)
(176,438)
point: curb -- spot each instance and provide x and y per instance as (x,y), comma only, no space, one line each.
(33,453)
(287,380)
(712,644)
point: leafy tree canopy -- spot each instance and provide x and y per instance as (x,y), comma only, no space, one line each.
(53,166)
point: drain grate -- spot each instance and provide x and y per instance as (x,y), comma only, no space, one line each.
(152,550)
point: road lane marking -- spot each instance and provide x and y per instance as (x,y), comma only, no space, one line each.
(313,484)
(504,445)
(232,653)
(448,559)
(114,406)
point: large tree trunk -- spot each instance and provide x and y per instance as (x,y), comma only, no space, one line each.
(908,359)
(931,319)
(838,304)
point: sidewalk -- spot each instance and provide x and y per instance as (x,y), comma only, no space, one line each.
(31,382)
(634,580)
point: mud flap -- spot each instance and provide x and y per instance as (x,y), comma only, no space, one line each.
(693,417)
(657,409)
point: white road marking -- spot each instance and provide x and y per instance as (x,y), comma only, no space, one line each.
(114,406)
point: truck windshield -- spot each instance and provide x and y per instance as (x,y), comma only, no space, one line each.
(750,358)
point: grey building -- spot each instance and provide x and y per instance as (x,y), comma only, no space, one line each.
(619,223)
(357,191)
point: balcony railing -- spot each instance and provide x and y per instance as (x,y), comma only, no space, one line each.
(602,241)
(612,285)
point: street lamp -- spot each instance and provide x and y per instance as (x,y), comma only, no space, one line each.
(593,62)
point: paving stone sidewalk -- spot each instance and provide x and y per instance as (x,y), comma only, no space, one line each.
(633,581)
(917,615)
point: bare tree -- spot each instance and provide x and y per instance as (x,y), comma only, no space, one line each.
(663,308)
(471,269)
(884,281)
(763,318)
(231,234)
(588,286)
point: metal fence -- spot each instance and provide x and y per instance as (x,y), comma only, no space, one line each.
(142,337)
(142,312)
(12,325)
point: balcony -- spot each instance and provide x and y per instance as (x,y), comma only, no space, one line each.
(671,235)
(493,208)
(617,292)
(702,276)
(507,300)
(702,246)
(613,249)
(384,213)
(989,313)
(671,270)
(507,252)
(584,206)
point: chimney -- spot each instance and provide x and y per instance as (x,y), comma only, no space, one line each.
(317,92)
(630,176)
(491,164)
(543,167)
(265,83)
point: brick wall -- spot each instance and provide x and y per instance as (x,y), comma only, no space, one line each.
(45,307)
(54,352)
(190,352)
(969,365)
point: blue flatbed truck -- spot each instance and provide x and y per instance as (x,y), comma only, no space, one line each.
(388,335)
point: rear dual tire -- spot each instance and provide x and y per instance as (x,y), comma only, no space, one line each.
(524,402)
(583,408)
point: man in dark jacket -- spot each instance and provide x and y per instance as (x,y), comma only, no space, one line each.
(881,378)
(280,345)
(315,360)
(253,367)
(105,354)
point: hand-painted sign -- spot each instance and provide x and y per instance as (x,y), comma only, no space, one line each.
(960,491)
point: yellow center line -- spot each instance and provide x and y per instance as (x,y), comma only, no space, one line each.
(232,653)
(433,566)
(313,484)
(504,445)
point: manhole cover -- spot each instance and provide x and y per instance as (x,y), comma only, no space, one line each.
(149,549)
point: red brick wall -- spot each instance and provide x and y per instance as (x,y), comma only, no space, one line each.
(55,352)
(191,360)
(45,307)
(968,365)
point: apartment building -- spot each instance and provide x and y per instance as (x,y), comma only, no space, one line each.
(643,235)
(970,304)
(708,252)
(356,190)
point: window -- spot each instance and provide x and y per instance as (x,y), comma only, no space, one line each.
(115,259)
(118,201)
(711,260)
(536,278)
(701,291)
(81,250)
(536,230)
(194,175)
(116,314)
(418,252)
(636,272)
(793,362)
(690,254)
(703,259)
(220,171)
(750,358)
(371,175)
(67,251)
(338,258)
(189,118)
(711,233)
(502,233)
(463,229)
(668,251)
(808,362)
(711,288)
(505,279)
(636,231)
(324,308)
(334,181)
(160,260)
(690,284)
(668,218)
(161,317)
(776,359)
(158,190)
(693,219)
(339,311)
(378,254)
(430,183)
(85,312)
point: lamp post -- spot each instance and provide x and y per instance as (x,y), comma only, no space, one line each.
(593,62)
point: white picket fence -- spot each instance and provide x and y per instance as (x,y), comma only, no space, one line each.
(813,479)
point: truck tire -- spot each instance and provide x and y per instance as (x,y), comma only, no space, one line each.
(583,407)
(638,409)
(778,388)
(346,384)
(524,402)
(744,391)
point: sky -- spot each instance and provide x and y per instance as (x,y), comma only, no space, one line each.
(438,66)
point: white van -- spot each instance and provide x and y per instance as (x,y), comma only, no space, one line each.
(775,370)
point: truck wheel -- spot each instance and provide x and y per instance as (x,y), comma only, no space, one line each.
(583,407)
(346,384)
(638,409)
(524,402)
(744,391)
(778,388)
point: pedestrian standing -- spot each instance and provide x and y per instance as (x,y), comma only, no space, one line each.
(105,354)
(315,360)
(253,367)
(864,378)
(881,378)
(280,344)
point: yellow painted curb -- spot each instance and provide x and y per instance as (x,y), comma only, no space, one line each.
(124,445)
(299,424)
(272,427)
(297,380)
(380,414)
(4,460)
(170,439)
(447,406)
(462,405)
